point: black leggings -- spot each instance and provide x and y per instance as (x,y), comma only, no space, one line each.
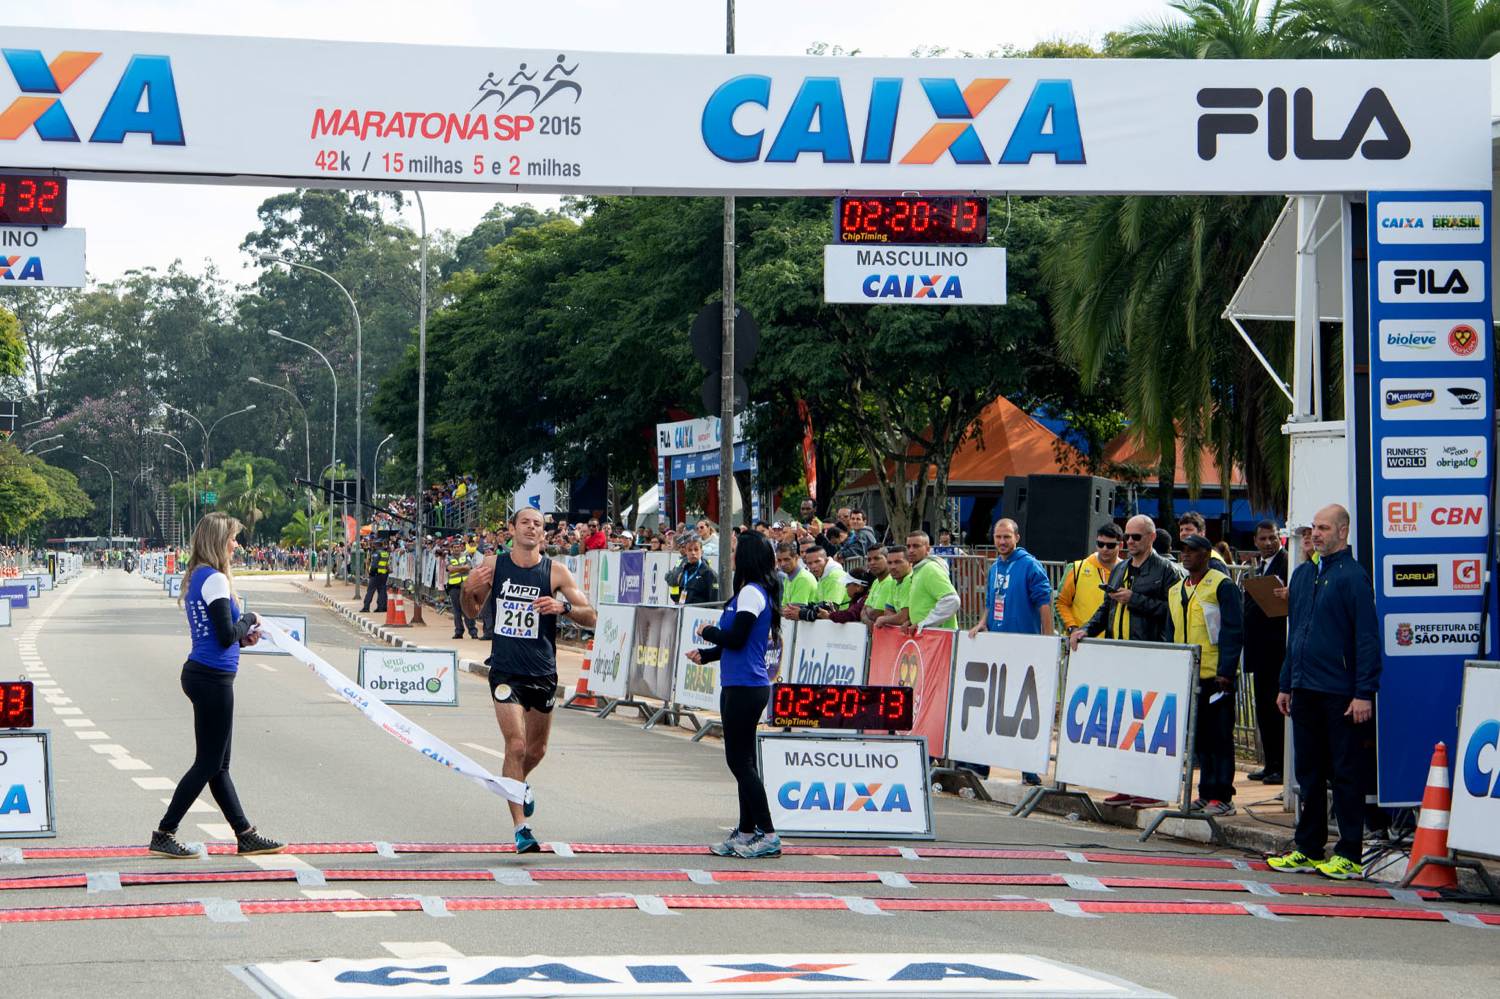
(742,709)
(212,694)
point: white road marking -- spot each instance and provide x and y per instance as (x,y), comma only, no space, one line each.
(268,669)
(486,749)
(55,700)
(78,723)
(197,806)
(67,711)
(154,783)
(88,734)
(45,683)
(128,763)
(111,749)
(420,950)
(344,893)
(217,830)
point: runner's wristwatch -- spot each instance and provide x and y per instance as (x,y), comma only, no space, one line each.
(567,607)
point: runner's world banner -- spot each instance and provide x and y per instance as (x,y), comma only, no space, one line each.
(557,119)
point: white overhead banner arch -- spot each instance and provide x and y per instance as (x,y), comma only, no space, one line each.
(97,103)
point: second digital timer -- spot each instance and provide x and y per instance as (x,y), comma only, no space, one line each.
(937,221)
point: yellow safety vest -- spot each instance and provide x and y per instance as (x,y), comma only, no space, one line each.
(458,571)
(1200,609)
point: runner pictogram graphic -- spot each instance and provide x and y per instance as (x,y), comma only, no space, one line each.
(521,82)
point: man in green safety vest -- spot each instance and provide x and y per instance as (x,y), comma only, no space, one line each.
(380,571)
(458,566)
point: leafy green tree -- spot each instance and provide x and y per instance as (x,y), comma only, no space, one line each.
(24,494)
(12,345)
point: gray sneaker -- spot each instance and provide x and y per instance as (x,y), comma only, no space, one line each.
(763,846)
(1219,808)
(731,843)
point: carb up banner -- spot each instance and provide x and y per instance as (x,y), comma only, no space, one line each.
(1431,467)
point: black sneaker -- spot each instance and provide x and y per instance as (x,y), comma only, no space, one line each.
(165,844)
(253,844)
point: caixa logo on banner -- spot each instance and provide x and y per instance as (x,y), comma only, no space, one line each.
(1479,775)
(843,796)
(1139,721)
(1295,131)
(817,122)
(144,100)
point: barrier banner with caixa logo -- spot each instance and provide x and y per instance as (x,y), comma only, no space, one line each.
(1431,423)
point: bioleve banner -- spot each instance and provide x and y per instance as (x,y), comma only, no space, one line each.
(614,633)
(922,661)
(559,119)
(1125,713)
(1475,820)
(828,652)
(410,676)
(695,685)
(846,785)
(1004,691)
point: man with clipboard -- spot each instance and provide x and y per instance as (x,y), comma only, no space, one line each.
(1265,645)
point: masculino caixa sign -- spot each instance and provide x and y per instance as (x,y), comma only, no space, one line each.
(41,258)
(26,802)
(410,676)
(559,119)
(1475,820)
(914,275)
(1126,713)
(847,785)
(697,976)
(1004,687)
(294,625)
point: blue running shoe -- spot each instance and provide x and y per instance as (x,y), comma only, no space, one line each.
(528,805)
(727,848)
(763,846)
(526,842)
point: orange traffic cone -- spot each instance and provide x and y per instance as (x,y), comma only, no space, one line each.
(395,612)
(581,697)
(1431,839)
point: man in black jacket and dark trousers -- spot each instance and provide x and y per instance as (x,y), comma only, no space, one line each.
(1135,600)
(1265,649)
(693,580)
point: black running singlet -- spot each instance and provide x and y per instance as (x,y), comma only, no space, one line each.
(525,641)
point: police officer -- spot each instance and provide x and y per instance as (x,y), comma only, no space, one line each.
(380,571)
(459,563)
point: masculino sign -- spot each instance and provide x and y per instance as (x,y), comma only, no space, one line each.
(26,803)
(1004,687)
(846,785)
(409,676)
(122,103)
(914,275)
(41,258)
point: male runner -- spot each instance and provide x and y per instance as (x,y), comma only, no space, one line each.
(521,585)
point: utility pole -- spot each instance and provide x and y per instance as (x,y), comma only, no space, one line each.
(726,373)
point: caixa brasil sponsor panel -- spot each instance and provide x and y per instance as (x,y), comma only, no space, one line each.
(1435,516)
(1432,399)
(1433,458)
(1430,222)
(1431,340)
(1431,634)
(1433,575)
(1140,721)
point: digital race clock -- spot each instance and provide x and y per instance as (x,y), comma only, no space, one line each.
(17,704)
(819,705)
(33,199)
(937,221)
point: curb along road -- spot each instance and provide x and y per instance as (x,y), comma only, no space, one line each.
(379,631)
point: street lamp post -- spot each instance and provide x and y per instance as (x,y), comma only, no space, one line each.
(375,480)
(333,458)
(188,465)
(201,429)
(359,396)
(111,497)
(208,437)
(54,437)
(307,458)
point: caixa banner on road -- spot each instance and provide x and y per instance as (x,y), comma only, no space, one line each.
(294,625)
(847,785)
(914,275)
(1475,818)
(1004,689)
(122,103)
(1126,716)
(26,803)
(410,676)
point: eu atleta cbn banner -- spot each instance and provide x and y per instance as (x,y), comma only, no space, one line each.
(1431,417)
(122,103)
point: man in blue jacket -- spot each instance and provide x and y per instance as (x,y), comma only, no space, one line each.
(1017,596)
(1328,686)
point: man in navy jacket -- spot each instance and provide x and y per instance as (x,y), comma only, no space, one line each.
(1328,685)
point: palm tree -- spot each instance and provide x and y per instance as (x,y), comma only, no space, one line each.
(1398,29)
(251,501)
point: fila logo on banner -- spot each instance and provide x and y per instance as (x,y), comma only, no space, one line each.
(984,694)
(1295,131)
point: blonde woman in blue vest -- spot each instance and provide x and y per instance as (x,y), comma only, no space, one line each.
(1204,610)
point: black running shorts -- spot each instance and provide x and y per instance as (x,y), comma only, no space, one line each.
(533,693)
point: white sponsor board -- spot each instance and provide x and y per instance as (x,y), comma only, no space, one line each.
(294,625)
(1433,575)
(1431,281)
(694,436)
(1432,399)
(1004,689)
(1431,634)
(44,580)
(1430,222)
(42,258)
(695,685)
(1125,713)
(607,578)
(654,589)
(1475,819)
(846,785)
(1432,340)
(1435,516)
(748,124)
(4,612)
(1434,457)
(26,804)
(174,585)
(33,586)
(409,676)
(914,275)
(697,976)
(614,638)
(828,652)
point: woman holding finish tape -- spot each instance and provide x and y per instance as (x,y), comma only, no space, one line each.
(747,645)
(218,630)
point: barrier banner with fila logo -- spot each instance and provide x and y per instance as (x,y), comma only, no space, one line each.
(1004,687)
(1475,819)
(924,662)
(846,785)
(1431,385)
(1125,713)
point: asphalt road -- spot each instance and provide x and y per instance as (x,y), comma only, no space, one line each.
(310,769)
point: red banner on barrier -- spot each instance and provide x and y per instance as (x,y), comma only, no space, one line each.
(925,664)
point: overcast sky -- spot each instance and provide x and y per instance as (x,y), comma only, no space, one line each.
(208,222)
